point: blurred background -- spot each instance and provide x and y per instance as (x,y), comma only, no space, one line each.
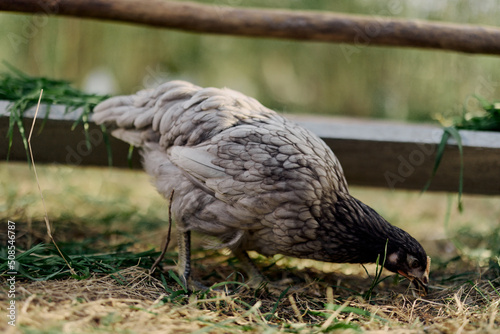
(305,77)
(298,77)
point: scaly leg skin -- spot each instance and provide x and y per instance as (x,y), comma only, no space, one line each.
(255,277)
(184,266)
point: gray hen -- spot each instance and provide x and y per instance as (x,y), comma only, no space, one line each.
(254,180)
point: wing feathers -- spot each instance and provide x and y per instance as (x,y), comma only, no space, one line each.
(197,162)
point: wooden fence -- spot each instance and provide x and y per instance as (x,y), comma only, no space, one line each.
(372,153)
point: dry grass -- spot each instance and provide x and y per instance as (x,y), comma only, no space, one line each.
(465,294)
(104,304)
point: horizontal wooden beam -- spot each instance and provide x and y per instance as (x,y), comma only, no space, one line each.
(372,153)
(401,156)
(272,23)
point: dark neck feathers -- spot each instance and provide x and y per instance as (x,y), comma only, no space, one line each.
(353,232)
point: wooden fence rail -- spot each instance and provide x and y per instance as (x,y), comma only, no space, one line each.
(273,23)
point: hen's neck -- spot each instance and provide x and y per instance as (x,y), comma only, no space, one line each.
(353,232)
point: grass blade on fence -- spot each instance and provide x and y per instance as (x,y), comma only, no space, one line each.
(23,90)
(105,137)
(46,216)
(439,156)
(129,156)
(447,132)
(456,135)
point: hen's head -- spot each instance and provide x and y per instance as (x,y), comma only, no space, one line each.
(403,253)
(358,234)
(411,261)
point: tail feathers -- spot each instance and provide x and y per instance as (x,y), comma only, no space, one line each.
(118,113)
(179,112)
(138,138)
(133,137)
(138,110)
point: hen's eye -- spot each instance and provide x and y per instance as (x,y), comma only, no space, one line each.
(412,261)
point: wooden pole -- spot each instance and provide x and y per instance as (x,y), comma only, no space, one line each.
(271,23)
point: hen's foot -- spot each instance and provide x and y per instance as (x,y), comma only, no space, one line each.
(257,280)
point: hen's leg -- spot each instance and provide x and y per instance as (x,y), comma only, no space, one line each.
(184,265)
(255,277)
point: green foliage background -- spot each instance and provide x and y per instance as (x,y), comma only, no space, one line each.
(307,77)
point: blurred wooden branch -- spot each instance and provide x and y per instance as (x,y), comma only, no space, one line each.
(270,23)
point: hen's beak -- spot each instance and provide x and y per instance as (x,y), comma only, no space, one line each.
(422,281)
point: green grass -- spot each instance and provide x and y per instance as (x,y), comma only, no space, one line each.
(43,262)
(379,268)
(23,91)
(487,119)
